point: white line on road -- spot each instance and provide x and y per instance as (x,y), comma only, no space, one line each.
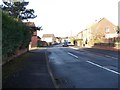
(74,48)
(103,67)
(110,57)
(114,58)
(73,55)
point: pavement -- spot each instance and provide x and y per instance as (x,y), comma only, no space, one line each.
(35,73)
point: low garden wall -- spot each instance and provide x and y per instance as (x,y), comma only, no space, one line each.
(108,46)
(18,53)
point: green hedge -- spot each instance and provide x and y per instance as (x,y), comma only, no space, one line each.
(15,35)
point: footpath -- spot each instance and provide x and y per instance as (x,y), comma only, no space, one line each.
(29,72)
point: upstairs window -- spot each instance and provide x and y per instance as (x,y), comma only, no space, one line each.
(107,30)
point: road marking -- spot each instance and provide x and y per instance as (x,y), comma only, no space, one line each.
(103,67)
(114,57)
(110,57)
(107,56)
(73,55)
(90,51)
(74,48)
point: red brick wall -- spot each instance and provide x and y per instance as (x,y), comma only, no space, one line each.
(34,41)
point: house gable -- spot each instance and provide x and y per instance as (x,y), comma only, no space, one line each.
(50,38)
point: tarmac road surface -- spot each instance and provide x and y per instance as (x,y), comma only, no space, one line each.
(83,69)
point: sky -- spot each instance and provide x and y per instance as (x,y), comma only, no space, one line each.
(69,17)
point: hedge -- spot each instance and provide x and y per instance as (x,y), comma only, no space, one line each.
(15,35)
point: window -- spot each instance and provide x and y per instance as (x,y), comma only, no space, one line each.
(107,30)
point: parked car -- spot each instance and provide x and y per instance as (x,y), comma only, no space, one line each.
(65,44)
(70,44)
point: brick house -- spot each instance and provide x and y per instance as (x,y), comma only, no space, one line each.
(35,38)
(97,32)
(101,29)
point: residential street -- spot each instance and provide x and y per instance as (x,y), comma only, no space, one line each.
(60,44)
(84,68)
(66,67)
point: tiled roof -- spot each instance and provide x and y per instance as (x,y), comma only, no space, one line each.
(32,24)
(48,35)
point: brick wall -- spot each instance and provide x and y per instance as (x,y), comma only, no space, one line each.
(34,41)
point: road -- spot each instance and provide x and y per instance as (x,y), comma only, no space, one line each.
(73,68)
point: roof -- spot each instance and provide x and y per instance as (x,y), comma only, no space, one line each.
(58,37)
(47,35)
(32,24)
(38,37)
(96,25)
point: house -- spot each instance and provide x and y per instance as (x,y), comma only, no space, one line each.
(35,38)
(30,24)
(49,38)
(80,35)
(79,39)
(58,40)
(101,29)
(97,32)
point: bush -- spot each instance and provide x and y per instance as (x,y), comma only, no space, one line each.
(117,44)
(42,44)
(15,35)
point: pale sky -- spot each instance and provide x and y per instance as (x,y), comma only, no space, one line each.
(69,17)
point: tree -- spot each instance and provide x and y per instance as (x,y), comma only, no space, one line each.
(18,9)
(118,29)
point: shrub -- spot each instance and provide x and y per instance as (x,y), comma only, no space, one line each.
(15,35)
